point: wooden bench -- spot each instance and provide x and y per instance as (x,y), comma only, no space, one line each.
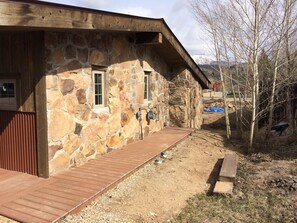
(228,169)
(227,175)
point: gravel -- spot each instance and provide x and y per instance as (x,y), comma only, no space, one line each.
(99,210)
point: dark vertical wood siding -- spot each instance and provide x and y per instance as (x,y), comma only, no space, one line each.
(18,142)
(16,58)
(22,58)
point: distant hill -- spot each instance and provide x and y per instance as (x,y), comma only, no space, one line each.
(209,66)
(211,71)
(203,59)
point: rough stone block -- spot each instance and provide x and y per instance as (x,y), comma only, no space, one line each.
(60,124)
(81,96)
(67,86)
(223,187)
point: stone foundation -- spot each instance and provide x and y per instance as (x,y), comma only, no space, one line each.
(77,131)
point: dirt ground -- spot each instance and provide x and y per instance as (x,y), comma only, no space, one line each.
(158,192)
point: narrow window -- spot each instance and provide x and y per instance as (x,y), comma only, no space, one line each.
(98,77)
(147,86)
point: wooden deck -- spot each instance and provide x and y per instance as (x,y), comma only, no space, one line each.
(27,198)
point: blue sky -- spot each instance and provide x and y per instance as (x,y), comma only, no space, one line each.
(176,13)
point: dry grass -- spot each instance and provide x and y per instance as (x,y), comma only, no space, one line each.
(251,202)
(254,199)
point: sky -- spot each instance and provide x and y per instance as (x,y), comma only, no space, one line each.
(177,14)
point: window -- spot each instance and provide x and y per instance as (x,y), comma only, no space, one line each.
(8,100)
(99,88)
(147,86)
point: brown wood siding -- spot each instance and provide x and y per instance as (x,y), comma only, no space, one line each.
(18,142)
(22,58)
(16,59)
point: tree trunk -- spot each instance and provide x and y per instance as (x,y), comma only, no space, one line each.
(255,91)
(289,110)
(271,101)
(218,54)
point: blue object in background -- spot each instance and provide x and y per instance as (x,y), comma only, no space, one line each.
(214,109)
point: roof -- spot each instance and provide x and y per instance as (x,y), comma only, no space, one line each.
(37,15)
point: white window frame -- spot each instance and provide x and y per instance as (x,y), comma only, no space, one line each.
(9,103)
(102,73)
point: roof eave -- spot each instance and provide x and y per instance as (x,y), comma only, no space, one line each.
(30,14)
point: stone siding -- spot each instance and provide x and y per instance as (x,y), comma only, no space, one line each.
(77,131)
(185,102)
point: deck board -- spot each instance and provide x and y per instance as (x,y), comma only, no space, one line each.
(53,198)
(27,198)
(77,188)
(42,207)
(89,180)
(33,212)
(76,183)
(50,203)
(61,195)
(20,216)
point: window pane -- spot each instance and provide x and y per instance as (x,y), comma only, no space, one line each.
(98,78)
(100,99)
(10,90)
(96,99)
(2,91)
(7,90)
(98,88)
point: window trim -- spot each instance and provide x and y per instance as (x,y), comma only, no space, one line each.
(103,77)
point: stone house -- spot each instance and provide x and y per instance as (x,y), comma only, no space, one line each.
(73,80)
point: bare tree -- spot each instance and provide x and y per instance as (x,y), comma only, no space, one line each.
(282,28)
(240,29)
(290,30)
(207,12)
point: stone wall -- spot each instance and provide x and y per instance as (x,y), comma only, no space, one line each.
(77,131)
(185,101)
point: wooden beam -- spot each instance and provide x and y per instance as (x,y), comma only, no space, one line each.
(35,15)
(148,38)
(40,104)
